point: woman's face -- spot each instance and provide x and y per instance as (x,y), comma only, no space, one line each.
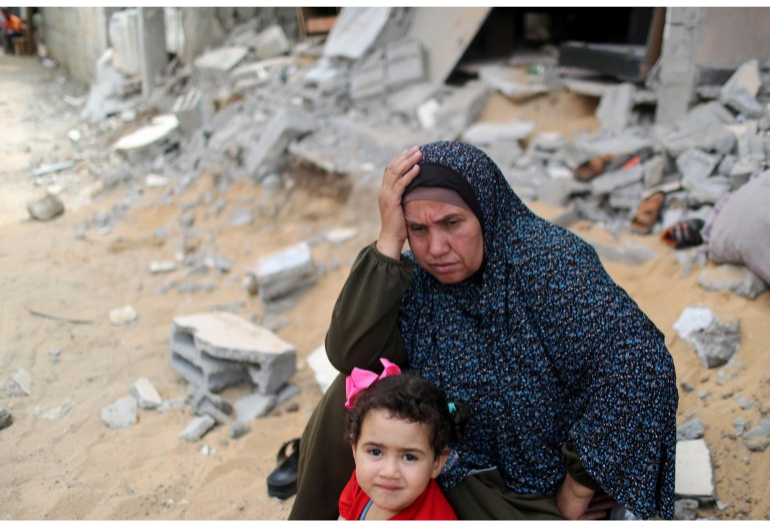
(445,239)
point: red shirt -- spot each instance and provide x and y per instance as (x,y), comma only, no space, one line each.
(431,505)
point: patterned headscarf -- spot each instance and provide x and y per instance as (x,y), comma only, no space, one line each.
(545,349)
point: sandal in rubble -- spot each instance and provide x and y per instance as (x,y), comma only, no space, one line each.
(684,234)
(282,482)
(647,214)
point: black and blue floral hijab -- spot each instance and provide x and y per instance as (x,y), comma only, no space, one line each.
(545,349)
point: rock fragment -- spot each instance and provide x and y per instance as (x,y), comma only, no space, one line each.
(692,429)
(19,384)
(6,419)
(123,315)
(694,472)
(737,279)
(146,395)
(685,510)
(120,414)
(714,342)
(758,438)
(198,428)
(46,208)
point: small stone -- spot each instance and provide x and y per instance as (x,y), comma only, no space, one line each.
(340,235)
(205,450)
(120,414)
(692,429)
(744,402)
(54,354)
(155,181)
(685,510)
(187,219)
(123,315)
(196,429)
(46,208)
(687,386)
(714,342)
(162,266)
(758,438)
(239,429)
(5,419)
(740,426)
(20,384)
(240,217)
(54,413)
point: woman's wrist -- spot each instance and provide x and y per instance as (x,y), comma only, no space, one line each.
(389,246)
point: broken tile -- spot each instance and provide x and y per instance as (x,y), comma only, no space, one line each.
(19,384)
(145,393)
(694,472)
(120,414)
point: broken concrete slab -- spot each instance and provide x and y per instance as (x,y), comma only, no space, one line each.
(627,253)
(707,190)
(45,208)
(288,392)
(692,429)
(503,79)
(149,141)
(695,165)
(192,110)
(685,510)
(269,154)
(714,342)
(216,64)
(355,31)
(615,107)
(239,429)
(284,272)
(741,170)
(162,266)
(627,197)
(712,137)
(461,108)
(405,64)
(146,395)
(738,279)
(557,192)
(606,183)
(745,81)
(254,406)
(198,428)
(653,170)
(627,142)
(123,315)
(324,371)
(120,414)
(694,472)
(488,133)
(202,370)
(19,384)
(6,419)
(758,438)
(271,42)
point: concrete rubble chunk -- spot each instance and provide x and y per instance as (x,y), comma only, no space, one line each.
(239,429)
(504,80)
(198,428)
(19,384)
(220,61)
(146,395)
(193,110)
(606,183)
(740,427)
(738,279)
(557,192)
(653,171)
(626,142)
(45,208)
(742,170)
(694,472)
(355,31)
(627,197)
(712,137)
(692,429)
(324,371)
(714,342)
(281,273)
(120,414)
(6,419)
(614,110)
(240,218)
(340,235)
(218,349)
(405,64)
(271,42)
(162,266)
(254,406)
(123,315)
(55,412)
(695,166)
(288,392)
(626,253)
(745,80)
(269,154)
(461,108)
(685,510)
(758,438)
(487,133)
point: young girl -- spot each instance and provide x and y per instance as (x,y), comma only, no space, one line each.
(400,428)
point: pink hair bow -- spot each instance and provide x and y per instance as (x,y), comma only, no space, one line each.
(361,379)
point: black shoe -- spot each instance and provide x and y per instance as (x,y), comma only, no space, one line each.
(282,482)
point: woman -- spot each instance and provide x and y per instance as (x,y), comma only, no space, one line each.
(570,388)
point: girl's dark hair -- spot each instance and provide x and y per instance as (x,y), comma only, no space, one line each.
(408,397)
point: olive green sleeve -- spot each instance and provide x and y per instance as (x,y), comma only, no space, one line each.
(576,469)
(363,327)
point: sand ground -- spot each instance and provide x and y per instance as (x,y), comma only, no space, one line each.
(59,459)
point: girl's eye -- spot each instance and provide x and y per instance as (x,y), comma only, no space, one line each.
(374,452)
(410,458)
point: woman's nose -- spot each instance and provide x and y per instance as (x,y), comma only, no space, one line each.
(437,245)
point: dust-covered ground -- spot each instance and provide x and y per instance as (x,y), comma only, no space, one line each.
(59,459)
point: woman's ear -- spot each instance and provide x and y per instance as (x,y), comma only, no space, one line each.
(439,463)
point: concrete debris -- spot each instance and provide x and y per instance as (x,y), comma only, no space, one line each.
(57,412)
(271,42)
(738,279)
(389,69)
(340,235)
(288,392)
(324,372)
(52,168)
(198,428)
(269,153)
(205,403)
(284,272)
(745,403)
(612,181)
(162,266)
(123,315)
(120,414)
(214,66)
(695,166)
(685,510)
(6,419)
(461,109)
(713,137)
(150,141)
(19,384)
(219,349)
(193,110)
(627,253)
(46,208)
(692,429)
(254,406)
(155,181)
(488,133)
(615,106)
(355,31)
(741,89)
(504,80)
(740,427)
(758,438)
(687,386)
(146,395)
(714,342)
(240,218)
(239,429)
(694,471)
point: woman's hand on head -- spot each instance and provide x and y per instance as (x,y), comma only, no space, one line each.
(398,174)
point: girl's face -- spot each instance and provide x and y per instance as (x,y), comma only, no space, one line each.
(394,462)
